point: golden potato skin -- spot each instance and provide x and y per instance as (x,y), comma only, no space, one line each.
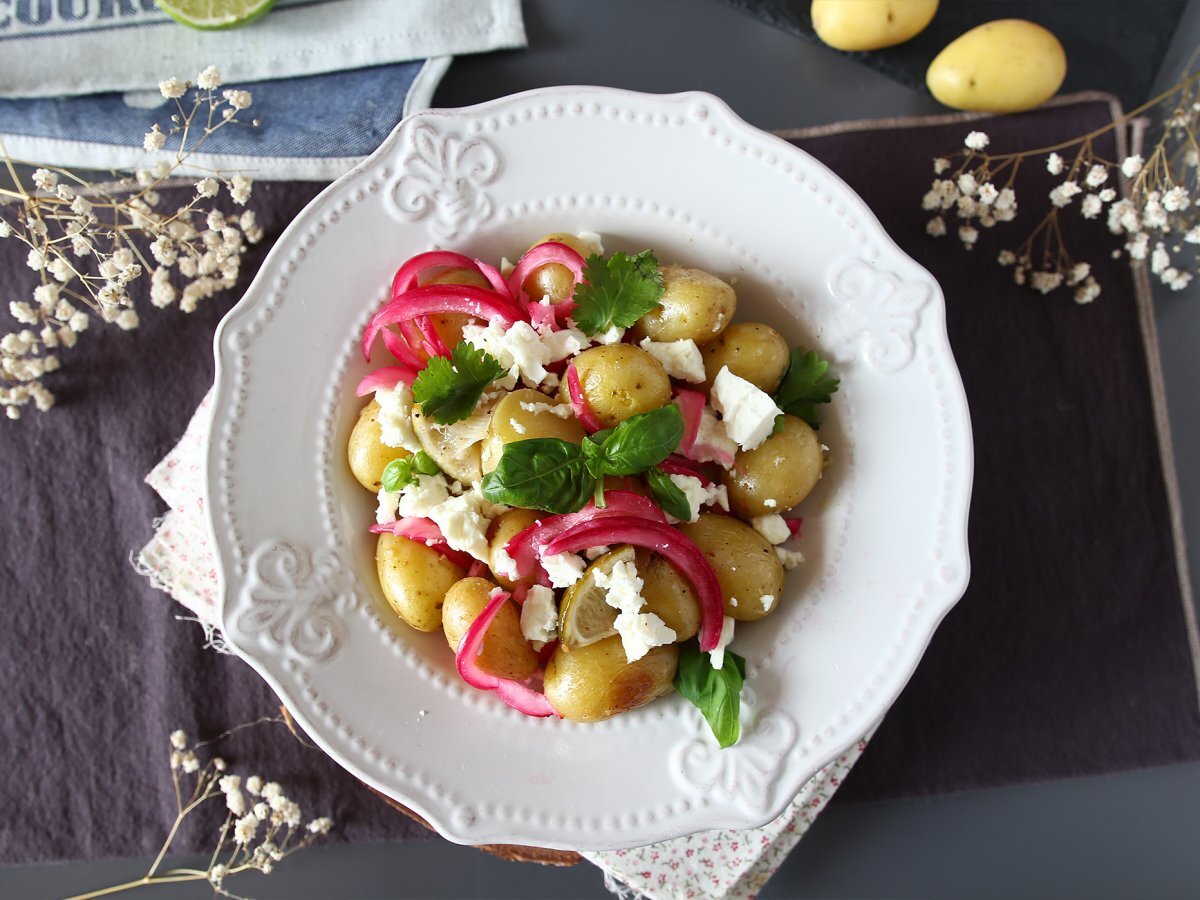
(508,420)
(668,595)
(785,468)
(414,579)
(870,24)
(503,529)
(1004,66)
(366,452)
(450,325)
(694,306)
(619,381)
(505,653)
(596,682)
(553,280)
(751,350)
(746,564)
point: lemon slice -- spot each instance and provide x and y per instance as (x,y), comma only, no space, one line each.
(584,616)
(215,15)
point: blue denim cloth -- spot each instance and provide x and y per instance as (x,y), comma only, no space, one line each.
(343,114)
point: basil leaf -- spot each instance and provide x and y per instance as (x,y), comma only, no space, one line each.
(668,495)
(717,693)
(540,473)
(400,473)
(642,441)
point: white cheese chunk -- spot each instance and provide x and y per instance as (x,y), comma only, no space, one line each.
(463,524)
(767,601)
(698,496)
(716,656)
(385,512)
(789,558)
(712,440)
(539,615)
(591,243)
(503,564)
(749,413)
(612,336)
(595,552)
(773,527)
(564,569)
(562,410)
(640,632)
(681,359)
(423,496)
(395,417)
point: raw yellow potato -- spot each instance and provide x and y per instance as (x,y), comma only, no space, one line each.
(870,24)
(620,381)
(597,682)
(1002,66)
(694,306)
(553,280)
(503,529)
(668,595)
(747,566)
(784,469)
(367,453)
(414,579)
(751,350)
(505,652)
(512,422)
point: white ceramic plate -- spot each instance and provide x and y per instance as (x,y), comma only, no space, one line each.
(885,533)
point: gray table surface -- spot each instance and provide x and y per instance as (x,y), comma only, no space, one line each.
(1132,834)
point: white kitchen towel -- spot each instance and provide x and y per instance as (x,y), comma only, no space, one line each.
(375,61)
(722,865)
(59,47)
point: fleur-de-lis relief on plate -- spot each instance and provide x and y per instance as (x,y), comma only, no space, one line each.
(744,773)
(442,177)
(296,599)
(874,314)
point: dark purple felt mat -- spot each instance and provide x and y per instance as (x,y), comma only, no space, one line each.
(1068,655)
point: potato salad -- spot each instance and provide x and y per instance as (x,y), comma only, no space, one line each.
(586,473)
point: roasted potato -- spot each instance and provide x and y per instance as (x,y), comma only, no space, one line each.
(668,595)
(596,682)
(619,381)
(746,564)
(783,469)
(505,653)
(503,529)
(511,422)
(367,453)
(415,579)
(751,350)
(694,306)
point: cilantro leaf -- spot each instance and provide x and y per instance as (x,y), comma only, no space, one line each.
(668,495)
(400,473)
(617,292)
(804,385)
(540,473)
(717,693)
(449,389)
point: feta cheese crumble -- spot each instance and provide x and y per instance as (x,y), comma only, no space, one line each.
(640,632)
(767,601)
(681,359)
(773,527)
(385,512)
(461,519)
(698,496)
(522,349)
(749,413)
(562,410)
(712,436)
(395,417)
(539,615)
(716,656)
(789,558)
(503,564)
(612,336)
(564,569)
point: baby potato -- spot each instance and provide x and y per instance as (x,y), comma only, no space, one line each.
(414,579)
(449,325)
(553,280)
(752,350)
(596,681)
(511,422)
(784,468)
(694,306)
(870,24)
(619,381)
(746,564)
(503,529)
(367,453)
(1002,66)
(668,595)
(505,653)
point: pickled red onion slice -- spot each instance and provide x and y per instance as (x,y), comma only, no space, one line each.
(434,345)
(406,276)
(669,542)
(441,298)
(794,524)
(526,547)
(579,404)
(492,274)
(679,465)
(426,531)
(519,696)
(400,348)
(691,404)
(536,257)
(386,378)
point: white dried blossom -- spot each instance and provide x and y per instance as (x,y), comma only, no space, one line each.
(78,322)
(1090,206)
(1045,282)
(1054,164)
(1176,280)
(1107,195)
(1131,165)
(6,230)
(245,829)
(1097,175)
(935,227)
(44,179)
(1061,195)
(1087,292)
(940,165)
(154,139)
(172,88)
(209,79)
(239,189)
(1160,259)
(988,193)
(65,193)
(976,140)
(1006,258)
(967,184)
(1176,199)
(22,312)
(1138,245)
(320,825)
(238,99)
(968,236)
(235,802)
(1078,273)
(207,187)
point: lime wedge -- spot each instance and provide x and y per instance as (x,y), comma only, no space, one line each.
(215,15)
(584,616)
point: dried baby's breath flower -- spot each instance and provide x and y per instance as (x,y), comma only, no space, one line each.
(91,243)
(1158,218)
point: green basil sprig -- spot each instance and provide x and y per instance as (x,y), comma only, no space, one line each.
(668,495)
(557,476)
(717,693)
(400,473)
